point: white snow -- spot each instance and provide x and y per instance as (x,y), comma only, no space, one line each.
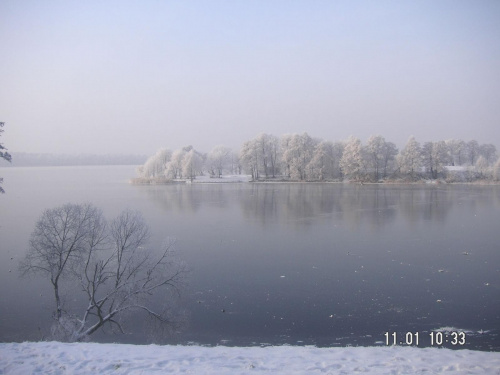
(221,180)
(91,358)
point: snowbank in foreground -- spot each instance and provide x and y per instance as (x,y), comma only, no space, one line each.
(90,358)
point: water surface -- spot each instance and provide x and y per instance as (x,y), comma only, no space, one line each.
(322,264)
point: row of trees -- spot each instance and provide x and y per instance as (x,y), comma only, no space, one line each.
(188,163)
(302,157)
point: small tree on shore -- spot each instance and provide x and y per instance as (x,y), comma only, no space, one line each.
(110,264)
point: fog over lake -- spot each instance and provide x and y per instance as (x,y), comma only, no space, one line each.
(281,263)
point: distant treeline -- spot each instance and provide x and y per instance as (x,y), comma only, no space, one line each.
(24,159)
(300,157)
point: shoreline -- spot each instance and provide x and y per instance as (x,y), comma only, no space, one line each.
(161,181)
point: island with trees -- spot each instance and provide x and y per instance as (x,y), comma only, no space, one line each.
(302,158)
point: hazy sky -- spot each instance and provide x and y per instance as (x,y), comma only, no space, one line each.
(134,76)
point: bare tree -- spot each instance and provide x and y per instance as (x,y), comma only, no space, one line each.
(110,264)
(3,154)
(61,239)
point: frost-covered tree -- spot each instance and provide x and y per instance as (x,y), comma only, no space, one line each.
(410,158)
(218,160)
(458,151)
(472,151)
(234,164)
(249,158)
(111,265)
(352,162)
(192,164)
(261,155)
(3,155)
(380,155)
(481,167)
(325,162)
(389,153)
(156,164)
(268,149)
(174,166)
(435,156)
(496,171)
(297,152)
(489,152)
(374,154)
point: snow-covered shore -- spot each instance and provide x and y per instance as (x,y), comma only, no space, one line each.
(91,358)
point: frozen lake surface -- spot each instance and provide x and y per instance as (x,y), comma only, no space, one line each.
(299,264)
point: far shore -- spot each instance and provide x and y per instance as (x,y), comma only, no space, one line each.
(248,179)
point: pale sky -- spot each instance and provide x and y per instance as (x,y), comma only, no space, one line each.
(133,76)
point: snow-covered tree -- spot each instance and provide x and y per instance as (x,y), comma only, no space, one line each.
(234,163)
(297,151)
(73,243)
(192,164)
(174,166)
(325,162)
(496,171)
(352,162)
(489,152)
(249,159)
(380,156)
(410,158)
(261,155)
(156,164)
(435,155)
(268,149)
(481,167)
(3,155)
(472,151)
(389,153)
(458,151)
(218,160)
(374,156)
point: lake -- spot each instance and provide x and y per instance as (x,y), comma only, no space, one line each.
(282,263)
